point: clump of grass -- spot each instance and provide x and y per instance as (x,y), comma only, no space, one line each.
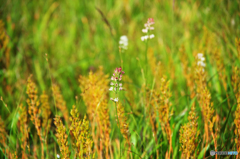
(4,45)
(164,112)
(82,138)
(189,135)
(33,104)
(204,99)
(33,109)
(94,89)
(62,138)
(46,112)
(60,102)
(11,155)
(124,127)
(105,126)
(187,72)
(235,81)
(3,133)
(237,41)
(131,92)
(237,123)
(155,65)
(24,129)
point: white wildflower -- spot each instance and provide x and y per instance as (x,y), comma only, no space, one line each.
(58,156)
(116,100)
(151,36)
(111,88)
(143,38)
(123,43)
(148,27)
(145,30)
(201,60)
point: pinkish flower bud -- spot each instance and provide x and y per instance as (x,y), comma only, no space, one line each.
(151,20)
(120,79)
(119,69)
(112,78)
(123,72)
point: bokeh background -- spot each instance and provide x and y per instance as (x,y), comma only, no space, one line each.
(78,36)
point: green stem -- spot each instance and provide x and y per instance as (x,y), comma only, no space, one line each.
(146,76)
(118,123)
(120,53)
(146,62)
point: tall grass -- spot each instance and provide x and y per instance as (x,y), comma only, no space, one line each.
(178,96)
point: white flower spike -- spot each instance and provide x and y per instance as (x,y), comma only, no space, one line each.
(123,43)
(148,27)
(116,100)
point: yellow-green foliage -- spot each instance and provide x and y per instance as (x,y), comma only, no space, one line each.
(163,106)
(62,138)
(206,105)
(237,41)
(189,134)
(82,139)
(46,112)
(24,128)
(236,81)
(124,127)
(237,124)
(188,71)
(94,88)
(60,102)
(105,124)
(33,105)
(2,133)
(179,87)
(4,42)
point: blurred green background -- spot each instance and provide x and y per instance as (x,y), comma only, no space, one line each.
(77,39)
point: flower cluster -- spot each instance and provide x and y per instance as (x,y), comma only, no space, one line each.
(115,82)
(201,60)
(148,26)
(123,43)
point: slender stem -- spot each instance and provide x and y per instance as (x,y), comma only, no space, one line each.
(120,53)
(146,61)
(118,123)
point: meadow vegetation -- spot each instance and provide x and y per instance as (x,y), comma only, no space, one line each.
(119,79)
